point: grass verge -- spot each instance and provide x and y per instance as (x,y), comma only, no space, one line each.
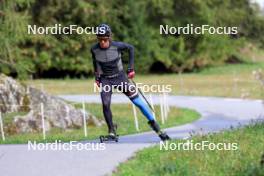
(122,115)
(243,161)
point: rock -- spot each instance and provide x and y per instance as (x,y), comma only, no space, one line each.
(11,94)
(16,97)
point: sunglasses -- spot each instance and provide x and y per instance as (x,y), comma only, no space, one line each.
(103,39)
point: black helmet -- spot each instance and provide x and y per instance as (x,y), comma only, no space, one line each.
(104,30)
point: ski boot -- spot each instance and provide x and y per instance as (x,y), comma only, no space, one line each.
(112,136)
(155,126)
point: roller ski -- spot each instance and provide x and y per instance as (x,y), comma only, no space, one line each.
(163,136)
(108,138)
(154,125)
(112,136)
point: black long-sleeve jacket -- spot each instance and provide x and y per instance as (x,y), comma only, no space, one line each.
(108,61)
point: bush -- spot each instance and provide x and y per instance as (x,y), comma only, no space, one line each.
(133,21)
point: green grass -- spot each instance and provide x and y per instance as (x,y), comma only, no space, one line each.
(222,81)
(232,69)
(122,115)
(10,116)
(244,161)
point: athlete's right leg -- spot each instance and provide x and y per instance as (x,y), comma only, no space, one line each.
(106,94)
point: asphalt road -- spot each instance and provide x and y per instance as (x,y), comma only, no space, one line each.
(216,114)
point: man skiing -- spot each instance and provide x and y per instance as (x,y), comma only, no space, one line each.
(109,71)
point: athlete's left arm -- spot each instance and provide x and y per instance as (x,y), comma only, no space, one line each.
(130,48)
